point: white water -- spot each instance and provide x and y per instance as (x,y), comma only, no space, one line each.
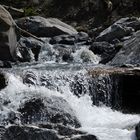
(103,122)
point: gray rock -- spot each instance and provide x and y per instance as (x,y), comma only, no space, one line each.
(133,22)
(130,52)
(50,109)
(29,48)
(121,28)
(115,31)
(42,27)
(105,50)
(8,37)
(3,80)
(138,131)
(45,132)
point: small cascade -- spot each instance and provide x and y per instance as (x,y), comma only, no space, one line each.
(63,88)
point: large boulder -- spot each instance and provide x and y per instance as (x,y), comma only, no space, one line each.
(8,36)
(42,27)
(51,109)
(121,28)
(130,52)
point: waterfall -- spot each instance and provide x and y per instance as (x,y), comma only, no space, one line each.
(91,98)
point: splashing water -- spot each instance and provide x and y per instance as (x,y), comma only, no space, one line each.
(102,121)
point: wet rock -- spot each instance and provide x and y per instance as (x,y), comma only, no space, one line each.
(105,50)
(28,133)
(138,131)
(85,137)
(30,78)
(80,37)
(63,39)
(117,88)
(129,53)
(29,47)
(62,130)
(3,80)
(8,36)
(2,131)
(42,27)
(5,64)
(49,131)
(118,30)
(24,54)
(50,109)
(64,52)
(133,22)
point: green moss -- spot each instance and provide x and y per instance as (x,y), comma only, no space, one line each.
(29,11)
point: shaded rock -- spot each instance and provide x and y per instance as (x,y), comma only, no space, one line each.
(24,54)
(30,78)
(29,47)
(2,131)
(130,52)
(85,137)
(133,22)
(51,109)
(114,31)
(5,64)
(105,50)
(8,36)
(64,52)
(62,130)
(137,129)
(3,80)
(116,87)
(42,27)
(49,132)
(63,39)
(121,28)
(28,133)
(80,37)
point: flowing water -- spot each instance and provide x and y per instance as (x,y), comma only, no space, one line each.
(73,84)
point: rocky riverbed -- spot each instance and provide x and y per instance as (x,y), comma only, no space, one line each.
(60,83)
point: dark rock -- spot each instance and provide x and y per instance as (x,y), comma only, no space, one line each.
(5,64)
(105,50)
(29,133)
(63,39)
(51,109)
(85,137)
(80,37)
(2,131)
(116,87)
(114,31)
(48,131)
(3,81)
(67,57)
(138,131)
(133,22)
(42,27)
(26,46)
(129,53)
(30,78)
(8,36)
(63,52)
(24,54)
(62,130)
